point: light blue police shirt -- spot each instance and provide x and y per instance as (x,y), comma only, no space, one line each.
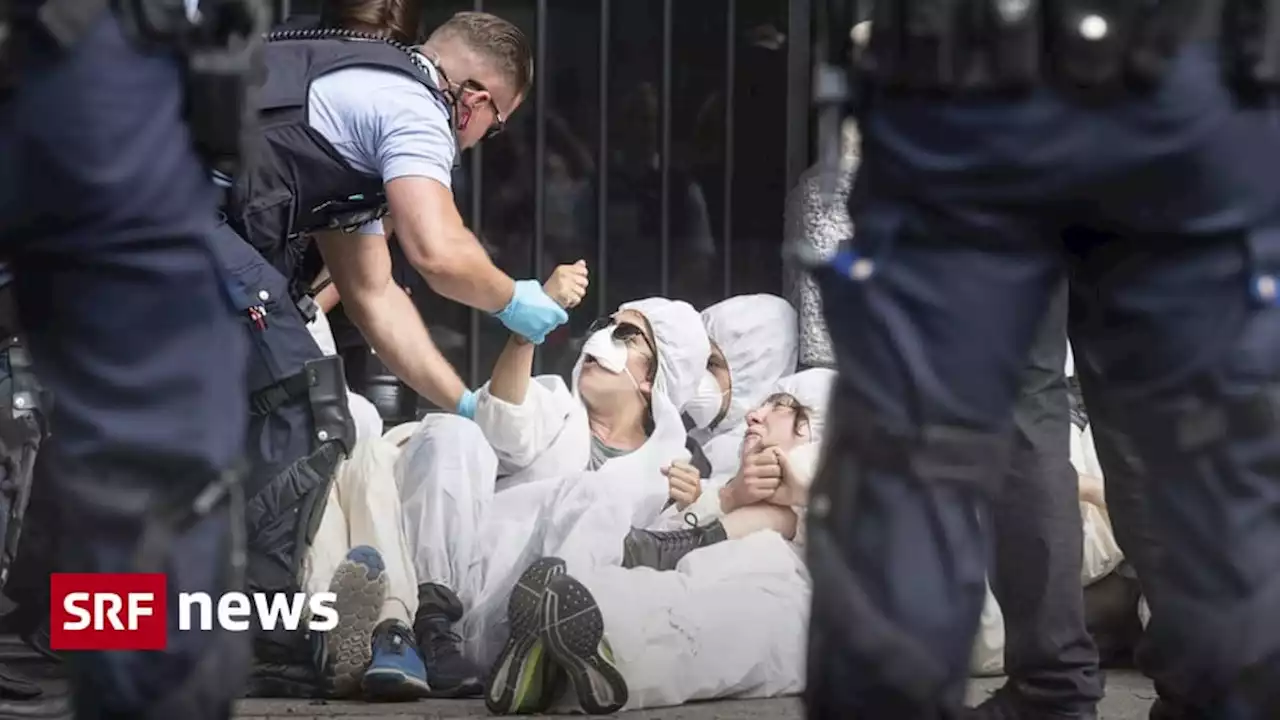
(384,123)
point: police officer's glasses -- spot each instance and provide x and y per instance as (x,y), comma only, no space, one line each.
(499,122)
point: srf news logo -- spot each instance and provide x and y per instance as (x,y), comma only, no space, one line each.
(129,611)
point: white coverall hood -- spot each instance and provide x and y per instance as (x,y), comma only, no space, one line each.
(683,350)
(759,337)
(812,389)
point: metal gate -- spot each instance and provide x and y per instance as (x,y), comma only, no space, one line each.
(658,145)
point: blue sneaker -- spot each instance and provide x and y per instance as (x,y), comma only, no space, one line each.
(343,653)
(397,673)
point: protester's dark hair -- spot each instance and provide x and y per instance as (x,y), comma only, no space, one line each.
(395,19)
(787,400)
(498,40)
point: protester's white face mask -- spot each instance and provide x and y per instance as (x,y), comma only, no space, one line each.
(705,406)
(609,352)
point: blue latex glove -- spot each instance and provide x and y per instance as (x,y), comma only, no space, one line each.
(532,313)
(467,405)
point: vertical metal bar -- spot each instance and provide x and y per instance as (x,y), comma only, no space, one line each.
(600,276)
(477,207)
(539,151)
(730,82)
(799,91)
(664,186)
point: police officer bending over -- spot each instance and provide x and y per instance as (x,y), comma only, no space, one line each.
(1008,143)
(354,128)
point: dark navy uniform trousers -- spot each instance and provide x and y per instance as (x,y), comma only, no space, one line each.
(1162,209)
(105,215)
(1049,656)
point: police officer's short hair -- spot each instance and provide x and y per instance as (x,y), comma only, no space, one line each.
(500,40)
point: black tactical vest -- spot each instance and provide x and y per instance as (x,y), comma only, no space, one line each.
(297,183)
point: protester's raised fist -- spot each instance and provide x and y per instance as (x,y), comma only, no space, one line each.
(567,284)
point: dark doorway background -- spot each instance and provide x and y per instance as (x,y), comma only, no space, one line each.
(658,145)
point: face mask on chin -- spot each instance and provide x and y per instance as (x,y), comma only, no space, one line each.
(704,408)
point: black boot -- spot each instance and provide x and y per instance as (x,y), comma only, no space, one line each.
(662,549)
(1007,704)
(449,673)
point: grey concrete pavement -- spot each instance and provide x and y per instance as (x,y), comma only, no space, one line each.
(1128,697)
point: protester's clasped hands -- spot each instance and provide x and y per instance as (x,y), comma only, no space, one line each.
(757,480)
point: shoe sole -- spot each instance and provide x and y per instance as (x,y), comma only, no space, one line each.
(573,630)
(469,688)
(514,673)
(390,685)
(360,591)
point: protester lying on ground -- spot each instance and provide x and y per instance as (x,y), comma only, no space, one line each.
(753,346)
(364,560)
(547,469)
(779,455)
(728,622)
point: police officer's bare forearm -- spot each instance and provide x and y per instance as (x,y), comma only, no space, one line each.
(447,255)
(361,270)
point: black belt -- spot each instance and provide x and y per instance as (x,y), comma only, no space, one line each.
(1087,47)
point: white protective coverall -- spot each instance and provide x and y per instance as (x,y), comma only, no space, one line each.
(363,412)
(361,508)
(758,336)
(812,389)
(732,619)
(476,536)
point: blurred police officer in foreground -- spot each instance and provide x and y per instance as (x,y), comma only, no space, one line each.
(105,209)
(1007,142)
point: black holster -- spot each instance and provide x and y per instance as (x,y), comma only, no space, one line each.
(22,429)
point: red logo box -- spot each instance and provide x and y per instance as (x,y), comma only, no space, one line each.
(108,611)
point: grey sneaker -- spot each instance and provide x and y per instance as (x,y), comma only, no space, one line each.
(573,632)
(343,653)
(524,679)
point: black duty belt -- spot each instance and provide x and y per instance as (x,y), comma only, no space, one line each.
(271,398)
(1096,47)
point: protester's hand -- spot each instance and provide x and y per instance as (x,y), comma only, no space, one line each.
(567,284)
(757,480)
(685,483)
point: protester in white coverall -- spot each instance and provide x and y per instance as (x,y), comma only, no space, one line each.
(777,458)
(546,469)
(729,621)
(754,343)
(359,514)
